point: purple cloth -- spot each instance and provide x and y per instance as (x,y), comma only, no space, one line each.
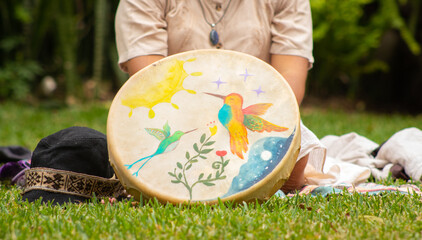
(14,171)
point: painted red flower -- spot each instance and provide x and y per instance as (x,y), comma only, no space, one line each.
(221,153)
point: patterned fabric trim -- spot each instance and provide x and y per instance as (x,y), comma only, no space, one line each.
(71,183)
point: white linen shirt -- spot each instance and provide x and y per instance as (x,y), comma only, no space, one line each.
(256,27)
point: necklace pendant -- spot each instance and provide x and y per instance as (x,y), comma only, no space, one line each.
(214,37)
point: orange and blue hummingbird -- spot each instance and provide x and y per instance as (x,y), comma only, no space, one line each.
(237,119)
(167,143)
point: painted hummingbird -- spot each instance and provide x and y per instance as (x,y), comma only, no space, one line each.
(237,119)
(167,143)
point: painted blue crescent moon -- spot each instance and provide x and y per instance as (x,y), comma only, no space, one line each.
(265,154)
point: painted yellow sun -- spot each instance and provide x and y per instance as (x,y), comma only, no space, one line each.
(149,91)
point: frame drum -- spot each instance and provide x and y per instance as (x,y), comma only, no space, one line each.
(204,125)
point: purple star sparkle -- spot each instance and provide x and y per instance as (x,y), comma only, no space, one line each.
(219,82)
(245,75)
(258,91)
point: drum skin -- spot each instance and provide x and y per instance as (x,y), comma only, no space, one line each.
(204,126)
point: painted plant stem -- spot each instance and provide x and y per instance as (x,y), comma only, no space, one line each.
(183,176)
(218,175)
(194,159)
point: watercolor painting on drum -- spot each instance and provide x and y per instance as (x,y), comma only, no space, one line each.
(238,120)
(168,142)
(202,126)
(264,156)
(199,155)
(160,92)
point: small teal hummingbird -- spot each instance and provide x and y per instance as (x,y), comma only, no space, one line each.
(167,143)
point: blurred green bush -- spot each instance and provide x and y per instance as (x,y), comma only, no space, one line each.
(355,41)
(359,45)
(70,40)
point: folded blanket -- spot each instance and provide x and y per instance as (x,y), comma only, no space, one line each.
(404,148)
(349,159)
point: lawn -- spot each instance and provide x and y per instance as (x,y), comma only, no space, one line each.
(387,216)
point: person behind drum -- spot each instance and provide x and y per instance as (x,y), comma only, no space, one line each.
(277,31)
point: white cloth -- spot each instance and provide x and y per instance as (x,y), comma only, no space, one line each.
(308,142)
(404,148)
(349,158)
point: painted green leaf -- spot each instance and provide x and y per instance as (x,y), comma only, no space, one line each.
(189,166)
(203,157)
(200,176)
(217,174)
(195,147)
(187,155)
(194,160)
(205,151)
(171,174)
(222,177)
(208,183)
(180,176)
(179,165)
(203,138)
(209,176)
(175,181)
(209,143)
(226,162)
(166,129)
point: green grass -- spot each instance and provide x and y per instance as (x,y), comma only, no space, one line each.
(349,216)
(377,127)
(390,216)
(25,125)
